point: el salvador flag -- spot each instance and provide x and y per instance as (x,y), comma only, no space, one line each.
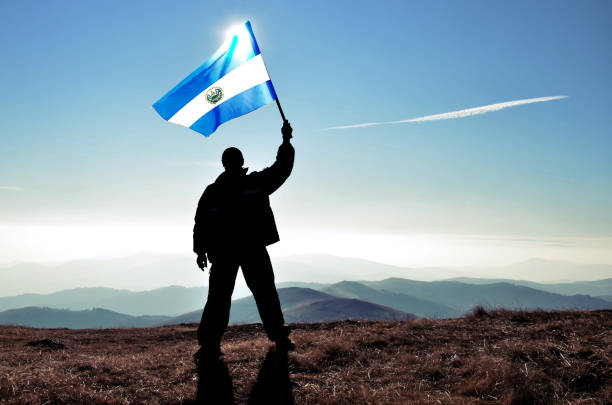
(232,82)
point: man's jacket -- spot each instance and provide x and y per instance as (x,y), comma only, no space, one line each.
(234,212)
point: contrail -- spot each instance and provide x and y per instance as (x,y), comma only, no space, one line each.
(457,114)
(11,188)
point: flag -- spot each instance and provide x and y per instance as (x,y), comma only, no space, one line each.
(232,82)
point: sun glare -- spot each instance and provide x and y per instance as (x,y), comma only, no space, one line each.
(234,30)
(239,34)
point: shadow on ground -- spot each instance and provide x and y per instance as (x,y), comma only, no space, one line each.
(272,386)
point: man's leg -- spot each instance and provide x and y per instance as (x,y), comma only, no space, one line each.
(217,310)
(259,276)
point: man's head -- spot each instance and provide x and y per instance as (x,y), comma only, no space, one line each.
(232,159)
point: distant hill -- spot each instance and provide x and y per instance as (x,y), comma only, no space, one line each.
(304,305)
(188,317)
(593,288)
(172,300)
(302,284)
(63,318)
(463,297)
(403,302)
(344,308)
(307,305)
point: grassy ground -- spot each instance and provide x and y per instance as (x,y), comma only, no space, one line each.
(488,357)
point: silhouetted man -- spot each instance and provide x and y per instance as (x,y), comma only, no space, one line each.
(233,225)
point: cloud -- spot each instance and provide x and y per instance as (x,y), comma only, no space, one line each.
(457,114)
(11,188)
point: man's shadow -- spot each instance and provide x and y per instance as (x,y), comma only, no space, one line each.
(214,384)
(272,386)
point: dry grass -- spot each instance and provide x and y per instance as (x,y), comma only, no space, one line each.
(487,357)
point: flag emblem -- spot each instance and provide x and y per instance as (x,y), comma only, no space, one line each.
(234,81)
(214,95)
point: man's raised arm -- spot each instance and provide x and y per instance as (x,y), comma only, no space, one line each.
(274,176)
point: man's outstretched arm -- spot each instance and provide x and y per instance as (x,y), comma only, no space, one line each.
(274,176)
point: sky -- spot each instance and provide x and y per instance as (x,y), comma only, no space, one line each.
(88,169)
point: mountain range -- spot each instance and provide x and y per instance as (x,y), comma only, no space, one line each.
(61,318)
(330,288)
(170,301)
(463,297)
(305,305)
(420,306)
(298,304)
(388,299)
(595,288)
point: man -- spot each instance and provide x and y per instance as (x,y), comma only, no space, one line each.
(233,225)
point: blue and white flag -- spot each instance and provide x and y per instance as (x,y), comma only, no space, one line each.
(232,82)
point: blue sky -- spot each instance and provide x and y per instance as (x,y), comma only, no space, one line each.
(83,149)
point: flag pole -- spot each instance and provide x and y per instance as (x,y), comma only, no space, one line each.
(280,109)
